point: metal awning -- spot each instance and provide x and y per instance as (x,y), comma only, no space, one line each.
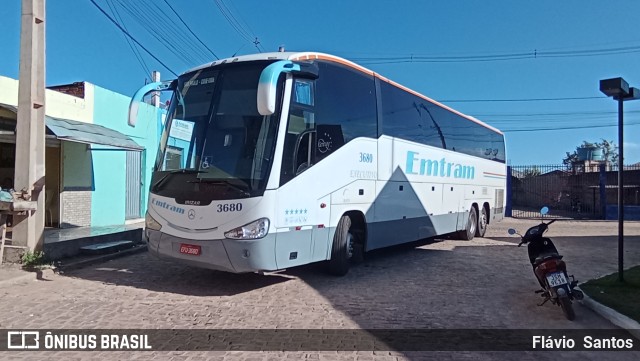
(80,132)
(74,131)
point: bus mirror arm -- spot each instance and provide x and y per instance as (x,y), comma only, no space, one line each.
(138,97)
(267,85)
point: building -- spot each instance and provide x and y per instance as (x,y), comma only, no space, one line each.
(97,167)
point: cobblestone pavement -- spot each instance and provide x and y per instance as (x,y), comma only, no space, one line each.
(485,283)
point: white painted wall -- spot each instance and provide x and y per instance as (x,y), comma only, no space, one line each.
(58,105)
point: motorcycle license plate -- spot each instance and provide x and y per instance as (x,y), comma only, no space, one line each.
(190,249)
(556,279)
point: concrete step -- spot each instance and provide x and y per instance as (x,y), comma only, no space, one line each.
(106,247)
(66,243)
(81,261)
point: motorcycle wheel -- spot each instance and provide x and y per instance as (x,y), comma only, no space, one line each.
(567,308)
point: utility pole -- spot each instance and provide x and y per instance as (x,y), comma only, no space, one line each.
(28,230)
(155,98)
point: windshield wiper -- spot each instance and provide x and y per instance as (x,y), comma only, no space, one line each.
(230,184)
(157,184)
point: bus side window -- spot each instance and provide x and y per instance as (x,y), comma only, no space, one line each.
(298,152)
(345,105)
(305,154)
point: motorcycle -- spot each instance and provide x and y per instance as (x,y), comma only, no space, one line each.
(549,268)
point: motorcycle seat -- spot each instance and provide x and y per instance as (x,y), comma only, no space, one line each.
(546,257)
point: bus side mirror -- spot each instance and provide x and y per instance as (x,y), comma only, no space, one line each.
(139,96)
(268,83)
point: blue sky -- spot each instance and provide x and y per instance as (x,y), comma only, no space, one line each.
(471,55)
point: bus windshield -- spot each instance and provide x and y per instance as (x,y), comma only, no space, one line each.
(214,139)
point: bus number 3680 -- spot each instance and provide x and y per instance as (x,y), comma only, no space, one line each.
(230,207)
(366,158)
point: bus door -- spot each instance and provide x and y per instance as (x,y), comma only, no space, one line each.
(297,201)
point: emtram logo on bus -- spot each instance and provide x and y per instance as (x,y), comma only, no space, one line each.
(166,205)
(437,168)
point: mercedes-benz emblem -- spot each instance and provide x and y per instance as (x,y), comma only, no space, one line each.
(192,214)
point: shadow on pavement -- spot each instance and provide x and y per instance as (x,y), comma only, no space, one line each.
(484,283)
(146,272)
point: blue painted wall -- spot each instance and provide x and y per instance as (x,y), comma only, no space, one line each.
(631,213)
(108,198)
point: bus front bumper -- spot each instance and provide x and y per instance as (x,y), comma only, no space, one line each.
(227,255)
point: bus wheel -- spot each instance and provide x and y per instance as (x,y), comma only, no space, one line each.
(482,223)
(342,249)
(470,229)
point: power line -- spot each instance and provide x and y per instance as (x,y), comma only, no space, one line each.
(174,44)
(441,59)
(571,114)
(534,54)
(132,38)
(243,31)
(191,31)
(563,128)
(255,42)
(135,50)
(517,100)
(233,21)
(180,37)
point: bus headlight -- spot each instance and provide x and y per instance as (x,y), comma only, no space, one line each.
(150,223)
(254,230)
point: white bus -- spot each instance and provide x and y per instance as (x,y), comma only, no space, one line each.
(276,160)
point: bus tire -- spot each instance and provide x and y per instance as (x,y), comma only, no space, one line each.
(483,220)
(470,228)
(342,249)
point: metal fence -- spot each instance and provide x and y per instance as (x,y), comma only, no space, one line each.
(585,191)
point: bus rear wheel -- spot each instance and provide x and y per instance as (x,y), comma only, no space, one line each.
(470,228)
(483,220)
(342,249)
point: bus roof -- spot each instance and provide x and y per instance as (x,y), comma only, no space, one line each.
(336,59)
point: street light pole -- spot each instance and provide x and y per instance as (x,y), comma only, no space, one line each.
(620,189)
(619,89)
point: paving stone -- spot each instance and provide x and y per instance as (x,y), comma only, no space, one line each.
(484,283)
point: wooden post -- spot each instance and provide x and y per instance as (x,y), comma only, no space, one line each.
(3,234)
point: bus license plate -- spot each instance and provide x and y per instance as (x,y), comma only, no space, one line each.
(556,279)
(190,249)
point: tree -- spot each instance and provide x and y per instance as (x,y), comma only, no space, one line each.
(531,172)
(609,151)
(571,158)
